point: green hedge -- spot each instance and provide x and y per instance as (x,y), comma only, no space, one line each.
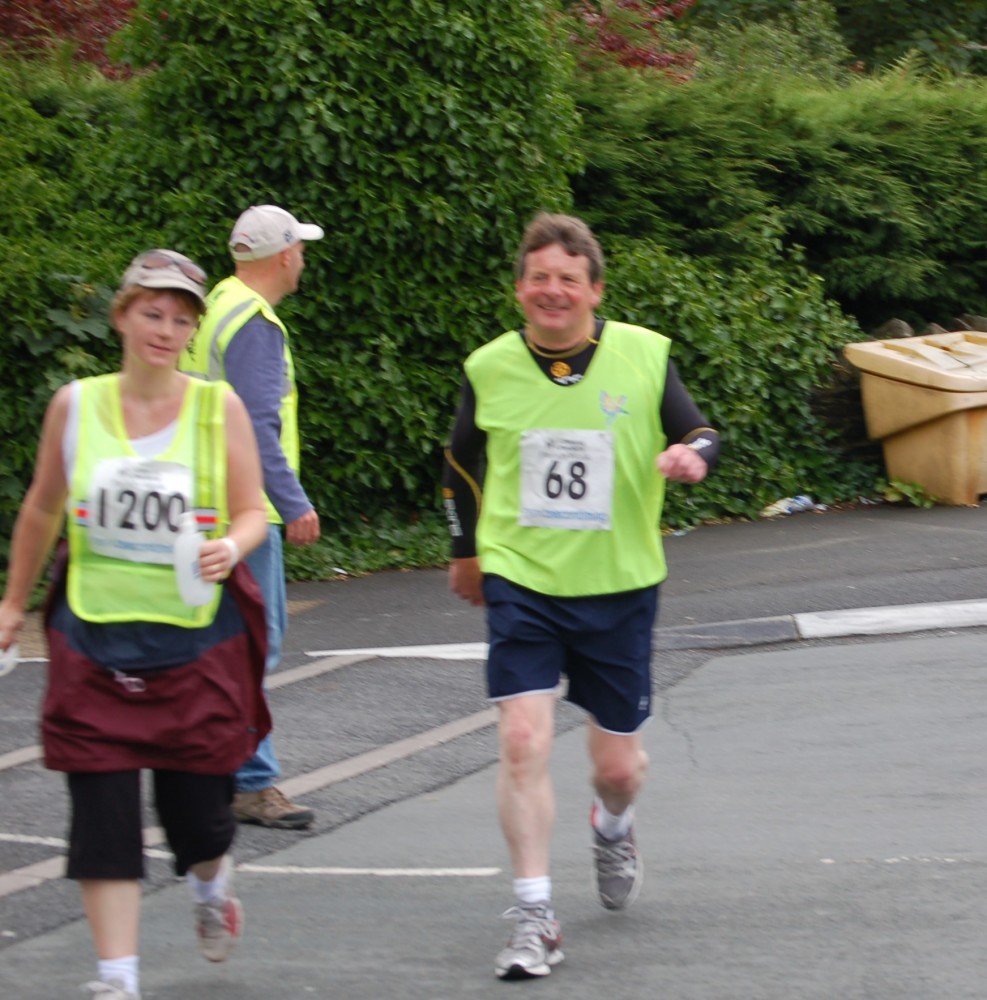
(423,138)
(421,135)
(881,180)
(55,125)
(752,346)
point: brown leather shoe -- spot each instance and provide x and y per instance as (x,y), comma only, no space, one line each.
(270,807)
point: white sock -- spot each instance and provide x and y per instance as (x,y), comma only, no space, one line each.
(213,891)
(124,970)
(608,826)
(534,890)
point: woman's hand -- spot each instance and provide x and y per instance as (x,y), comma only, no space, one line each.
(217,557)
(11,620)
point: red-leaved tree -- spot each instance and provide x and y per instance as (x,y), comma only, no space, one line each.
(35,26)
(629,33)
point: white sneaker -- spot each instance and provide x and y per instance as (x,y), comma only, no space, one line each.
(220,924)
(534,947)
(619,870)
(112,990)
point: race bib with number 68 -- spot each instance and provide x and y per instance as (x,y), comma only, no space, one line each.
(566,479)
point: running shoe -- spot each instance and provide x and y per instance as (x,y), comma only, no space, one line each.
(534,947)
(219,924)
(113,990)
(619,870)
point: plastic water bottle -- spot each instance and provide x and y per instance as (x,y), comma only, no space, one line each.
(9,658)
(193,589)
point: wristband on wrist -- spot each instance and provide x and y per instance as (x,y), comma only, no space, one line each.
(234,550)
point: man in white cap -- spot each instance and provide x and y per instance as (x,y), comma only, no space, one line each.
(242,341)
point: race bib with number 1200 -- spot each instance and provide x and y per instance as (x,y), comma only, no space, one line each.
(134,508)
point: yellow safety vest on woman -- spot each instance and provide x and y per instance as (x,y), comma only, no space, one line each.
(228,308)
(125,507)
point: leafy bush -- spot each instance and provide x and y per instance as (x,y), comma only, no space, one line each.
(878,180)
(949,33)
(803,40)
(879,32)
(751,345)
(627,33)
(422,135)
(895,170)
(59,248)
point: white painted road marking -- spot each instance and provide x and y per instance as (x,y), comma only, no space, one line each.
(443,651)
(62,845)
(376,872)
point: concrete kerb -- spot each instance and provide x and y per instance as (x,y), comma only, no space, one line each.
(823,625)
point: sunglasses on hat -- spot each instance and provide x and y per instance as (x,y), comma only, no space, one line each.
(155,259)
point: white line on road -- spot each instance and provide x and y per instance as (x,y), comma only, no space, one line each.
(354,766)
(443,651)
(905,859)
(21,838)
(17,757)
(378,872)
(309,670)
(62,845)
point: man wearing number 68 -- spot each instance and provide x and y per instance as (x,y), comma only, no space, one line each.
(576,422)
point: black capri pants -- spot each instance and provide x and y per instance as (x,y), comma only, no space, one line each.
(105,832)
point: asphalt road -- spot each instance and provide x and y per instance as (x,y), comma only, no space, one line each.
(785,776)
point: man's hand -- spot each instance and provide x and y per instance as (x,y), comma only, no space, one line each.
(303,530)
(682,464)
(466,580)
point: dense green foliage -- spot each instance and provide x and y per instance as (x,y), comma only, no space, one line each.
(949,33)
(422,135)
(751,345)
(53,125)
(801,41)
(878,180)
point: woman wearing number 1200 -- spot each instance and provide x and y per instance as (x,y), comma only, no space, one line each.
(137,678)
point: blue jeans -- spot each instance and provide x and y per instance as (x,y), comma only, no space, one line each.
(267,564)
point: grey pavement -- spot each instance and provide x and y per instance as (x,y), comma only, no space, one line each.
(813,825)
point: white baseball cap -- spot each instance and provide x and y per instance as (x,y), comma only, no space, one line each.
(166,270)
(266,230)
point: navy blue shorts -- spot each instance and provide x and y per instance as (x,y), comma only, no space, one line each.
(601,644)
